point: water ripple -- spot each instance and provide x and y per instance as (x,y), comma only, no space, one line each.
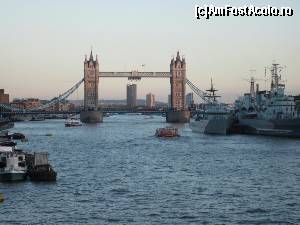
(119,173)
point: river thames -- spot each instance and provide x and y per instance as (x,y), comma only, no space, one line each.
(118,172)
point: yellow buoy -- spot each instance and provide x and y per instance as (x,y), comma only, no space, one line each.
(1,197)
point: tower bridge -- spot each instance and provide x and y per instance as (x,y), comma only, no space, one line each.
(177,76)
(92,74)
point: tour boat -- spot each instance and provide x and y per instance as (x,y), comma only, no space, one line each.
(167,132)
(73,122)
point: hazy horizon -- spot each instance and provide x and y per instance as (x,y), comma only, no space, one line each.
(43,45)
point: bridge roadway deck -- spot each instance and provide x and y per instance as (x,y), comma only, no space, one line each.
(118,111)
(137,74)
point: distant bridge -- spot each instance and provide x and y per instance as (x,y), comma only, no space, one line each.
(177,77)
(107,110)
(10,110)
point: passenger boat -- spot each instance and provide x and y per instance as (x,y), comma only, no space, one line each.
(73,122)
(167,132)
(12,164)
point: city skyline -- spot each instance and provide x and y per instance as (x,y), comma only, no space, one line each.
(44,44)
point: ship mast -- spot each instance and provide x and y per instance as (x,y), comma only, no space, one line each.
(276,77)
(212,92)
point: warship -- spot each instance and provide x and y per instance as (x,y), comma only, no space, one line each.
(268,112)
(215,119)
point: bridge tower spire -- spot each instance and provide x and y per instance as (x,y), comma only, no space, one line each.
(178,112)
(177,81)
(91,83)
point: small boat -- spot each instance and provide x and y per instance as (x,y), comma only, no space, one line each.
(6,124)
(73,122)
(37,118)
(12,165)
(5,135)
(8,143)
(167,132)
(18,136)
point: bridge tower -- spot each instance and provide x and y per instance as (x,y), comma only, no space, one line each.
(91,82)
(178,112)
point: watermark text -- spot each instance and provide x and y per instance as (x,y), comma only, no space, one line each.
(208,11)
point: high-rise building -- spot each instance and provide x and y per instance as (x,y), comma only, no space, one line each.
(189,99)
(150,100)
(131,95)
(169,101)
(4,98)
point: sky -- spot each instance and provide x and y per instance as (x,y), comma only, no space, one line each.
(43,44)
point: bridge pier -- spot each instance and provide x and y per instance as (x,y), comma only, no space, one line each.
(91,116)
(182,116)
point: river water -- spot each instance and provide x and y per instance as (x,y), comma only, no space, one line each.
(117,172)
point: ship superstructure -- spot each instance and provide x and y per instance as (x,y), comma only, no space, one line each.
(269,112)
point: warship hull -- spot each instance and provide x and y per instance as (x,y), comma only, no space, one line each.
(212,126)
(282,127)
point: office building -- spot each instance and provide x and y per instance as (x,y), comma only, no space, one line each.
(189,99)
(131,95)
(150,100)
(4,98)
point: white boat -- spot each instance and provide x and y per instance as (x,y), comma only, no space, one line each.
(73,122)
(12,165)
(216,119)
